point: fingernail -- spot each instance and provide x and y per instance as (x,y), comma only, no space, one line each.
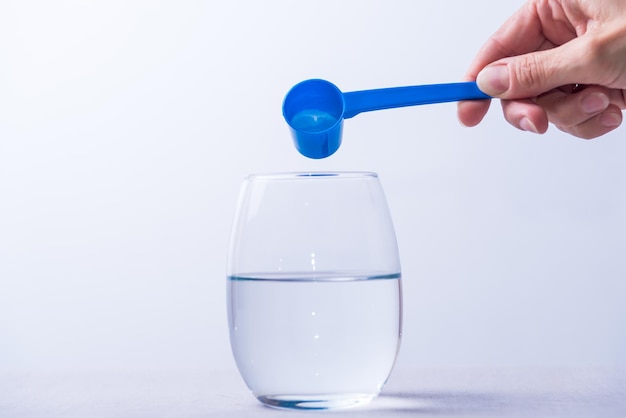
(594,103)
(611,120)
(526,125)
(494,80)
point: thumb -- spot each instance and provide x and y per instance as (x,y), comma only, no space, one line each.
(531,74)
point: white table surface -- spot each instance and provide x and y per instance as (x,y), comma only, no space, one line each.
(451,392)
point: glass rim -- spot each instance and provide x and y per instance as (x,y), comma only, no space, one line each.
(304,175)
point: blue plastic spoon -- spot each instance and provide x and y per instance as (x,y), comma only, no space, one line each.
(315,109)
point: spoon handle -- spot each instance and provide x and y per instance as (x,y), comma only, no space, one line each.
(367,100)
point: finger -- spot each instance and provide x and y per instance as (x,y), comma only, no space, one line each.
(528,20)
(470,113)
(531,74)
(596,126)
(567,110)
(525,115)
(507,42)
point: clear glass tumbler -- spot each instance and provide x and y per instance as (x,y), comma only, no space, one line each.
(314,295)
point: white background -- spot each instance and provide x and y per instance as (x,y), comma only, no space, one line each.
(126,128)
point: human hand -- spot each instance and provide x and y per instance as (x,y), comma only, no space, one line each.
(555,61)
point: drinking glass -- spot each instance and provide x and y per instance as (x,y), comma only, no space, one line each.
(314,295)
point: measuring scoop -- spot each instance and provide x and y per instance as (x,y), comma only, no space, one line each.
(315,109)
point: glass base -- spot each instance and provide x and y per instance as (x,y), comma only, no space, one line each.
(316,402)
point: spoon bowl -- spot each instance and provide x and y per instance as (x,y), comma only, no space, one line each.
(314,109)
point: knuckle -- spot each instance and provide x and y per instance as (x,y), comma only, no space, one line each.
(529,73)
